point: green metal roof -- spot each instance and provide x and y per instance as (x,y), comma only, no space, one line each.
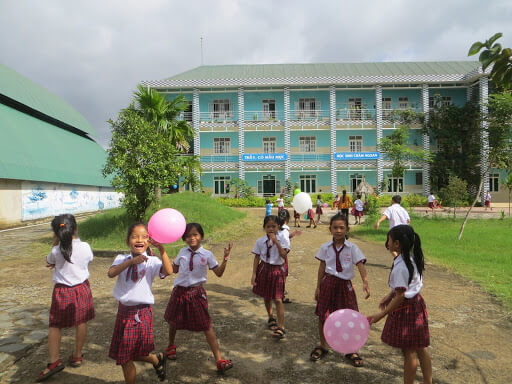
(25,91)
(32,149)
(326,70)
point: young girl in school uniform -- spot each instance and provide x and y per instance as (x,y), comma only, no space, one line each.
(284,231)
(72,304)
(133,333)
(268,273)
(358,209)
(334,288)
(407,321)
(188,304)
(319,211)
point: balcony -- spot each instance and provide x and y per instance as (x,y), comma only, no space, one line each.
(219,159)
(218,117)
(263,116)
(310,157)
(355,114)
(310,115)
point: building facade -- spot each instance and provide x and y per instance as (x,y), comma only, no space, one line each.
(317,125)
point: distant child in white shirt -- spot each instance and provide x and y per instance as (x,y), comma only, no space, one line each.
(188,305)
(358,209)
(72,304)
(133,333)
(280,203)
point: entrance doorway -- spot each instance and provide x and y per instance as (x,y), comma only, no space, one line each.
(355,180)
(268,186)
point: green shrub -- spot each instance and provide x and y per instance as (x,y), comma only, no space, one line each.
(385,200)
(415,200)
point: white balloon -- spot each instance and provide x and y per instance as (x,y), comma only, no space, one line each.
(302,202)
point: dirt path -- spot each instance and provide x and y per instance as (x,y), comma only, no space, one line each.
(471,335)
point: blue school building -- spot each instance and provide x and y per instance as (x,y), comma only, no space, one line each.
(318,125)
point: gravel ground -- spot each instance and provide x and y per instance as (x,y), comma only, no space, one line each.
(471,334)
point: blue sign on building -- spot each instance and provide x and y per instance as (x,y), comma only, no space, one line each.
(264,156)
(356,155)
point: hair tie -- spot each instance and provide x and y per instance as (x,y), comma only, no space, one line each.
(62,225)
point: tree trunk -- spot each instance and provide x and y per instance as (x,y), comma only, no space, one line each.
(509,203)
(158,193)
(470,208)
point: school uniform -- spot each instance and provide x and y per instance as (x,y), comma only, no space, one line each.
(284,238)
(431,199)
(487,202)
(72,302)
(270,273)
(336,290)
(296,215)
(280,204)
(358,208)
(188,305)
(397,215)
(319,207)
(407,326)
(133,331)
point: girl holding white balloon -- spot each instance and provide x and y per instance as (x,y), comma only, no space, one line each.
(407,321)
(188,305)
(334,288)
(268,273)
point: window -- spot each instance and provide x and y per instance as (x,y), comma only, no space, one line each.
(419,178)
(307,107)
(395,184)
(355,180)
(187,113)
(403,102)
(308,183)
(354,108)
(269,109)
(307,144)
(220,109)
(387,107)
(445,100)
(355,143)
(221,184)
(269,145)
(221,145)
(494,181)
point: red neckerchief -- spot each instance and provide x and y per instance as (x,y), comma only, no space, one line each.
(268,249)
(339,268)
(132,273)
(192,253)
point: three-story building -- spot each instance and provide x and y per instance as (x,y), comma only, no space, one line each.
(318,125)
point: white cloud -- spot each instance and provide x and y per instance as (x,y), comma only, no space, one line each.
(93,53)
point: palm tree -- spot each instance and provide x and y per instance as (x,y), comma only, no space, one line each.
(165,114)
(191,170)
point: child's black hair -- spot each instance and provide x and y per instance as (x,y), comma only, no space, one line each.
(273,218)
(64,227)
(267,201)
(319,197)
(343,195)
(409,242)
(397,199)
(132,227)
(283,217)
(342,217)
(189,227)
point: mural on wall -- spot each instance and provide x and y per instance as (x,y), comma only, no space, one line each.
(45,200)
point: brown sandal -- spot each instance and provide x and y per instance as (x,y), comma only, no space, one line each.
(171,352)
(355,359)
(75,362)
(53,368)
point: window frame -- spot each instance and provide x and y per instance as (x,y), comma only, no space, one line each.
(267,141)
(308,181)
(494,182)
(355,141)
(403,103)
(397,187)
(307,142)
(217,145)
(221,180)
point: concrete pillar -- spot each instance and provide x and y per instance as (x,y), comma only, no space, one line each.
(484,135)
(287,171)
(241,135)
(332,120)
(426,140)
(378,117)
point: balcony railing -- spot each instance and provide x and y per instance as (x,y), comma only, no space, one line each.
(218,117)
(355,114)
(219,159)
(263,116)
(309,115)
(310,157)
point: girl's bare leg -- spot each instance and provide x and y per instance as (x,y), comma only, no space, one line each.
(410,366)
(425,364)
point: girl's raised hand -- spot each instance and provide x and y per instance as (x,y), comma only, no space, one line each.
(227,251)
(155,243)
(139,259)
(272,237)
(51,266)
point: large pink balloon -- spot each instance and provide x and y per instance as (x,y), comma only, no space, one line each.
(166,225)
(346,330)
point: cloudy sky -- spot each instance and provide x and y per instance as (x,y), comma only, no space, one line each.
(93,53)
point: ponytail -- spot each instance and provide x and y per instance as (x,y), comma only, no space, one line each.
(409,241)
(344,196)
(64,227)
(283,216)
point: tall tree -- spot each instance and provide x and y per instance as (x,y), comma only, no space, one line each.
(190,171)
(140,158)
(499,58)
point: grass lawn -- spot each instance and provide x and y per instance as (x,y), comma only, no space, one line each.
(107,231)
(484,254)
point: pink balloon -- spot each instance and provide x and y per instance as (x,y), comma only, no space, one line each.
(166,225)
(326,205)
(346,330)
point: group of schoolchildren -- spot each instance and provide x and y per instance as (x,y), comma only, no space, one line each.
(72,306)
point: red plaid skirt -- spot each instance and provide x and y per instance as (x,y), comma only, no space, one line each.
(132,338)
(319,210)
(71,306)
(407,326)
(188,309)
(285,267)
(270,280)
(296,215)
(335,293)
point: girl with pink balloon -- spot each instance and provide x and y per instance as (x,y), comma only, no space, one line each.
(268,272)
(188,305)
(132,339)
(334,290)
(407,322)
